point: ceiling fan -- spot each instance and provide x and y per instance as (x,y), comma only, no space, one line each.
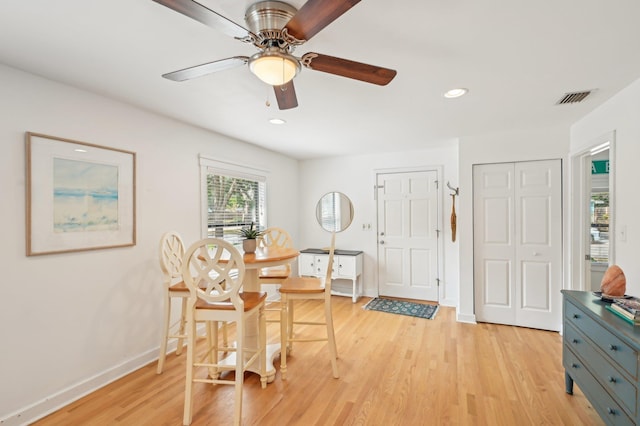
(276,29)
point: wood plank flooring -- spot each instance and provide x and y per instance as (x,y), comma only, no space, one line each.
(395,370)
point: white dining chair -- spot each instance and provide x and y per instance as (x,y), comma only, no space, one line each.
(307,288)
(213,271)
(171,254)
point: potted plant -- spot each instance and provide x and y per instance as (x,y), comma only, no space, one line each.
(250,235)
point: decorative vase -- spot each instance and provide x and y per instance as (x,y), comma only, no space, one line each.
(249,245)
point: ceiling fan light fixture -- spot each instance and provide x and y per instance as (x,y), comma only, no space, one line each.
(273,67)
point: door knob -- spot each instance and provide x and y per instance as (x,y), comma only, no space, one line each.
(381,242)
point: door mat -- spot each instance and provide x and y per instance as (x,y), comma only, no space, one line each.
(412,309)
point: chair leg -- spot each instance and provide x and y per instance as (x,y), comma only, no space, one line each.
(262,320)
(188,393)
(183,321)
(239,381)
(290,322)
(284,333)
(225,335)
(333,351)
(165,335)
(212,347)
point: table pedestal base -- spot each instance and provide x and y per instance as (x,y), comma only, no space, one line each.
(273,352)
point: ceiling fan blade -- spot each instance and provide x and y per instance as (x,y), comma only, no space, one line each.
(207,16)
(208,68)
(314,15)
(350,69)
(286,95)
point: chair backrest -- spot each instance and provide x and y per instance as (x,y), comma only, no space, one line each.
(276,237)
(327,278)
(213,270)
(171,255)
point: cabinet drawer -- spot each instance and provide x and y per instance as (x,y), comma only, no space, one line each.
(615,348)
(320,263)
(608,409)
(611,378)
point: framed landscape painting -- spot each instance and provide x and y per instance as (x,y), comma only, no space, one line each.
(79,196)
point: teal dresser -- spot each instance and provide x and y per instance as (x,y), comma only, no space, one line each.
(600,354)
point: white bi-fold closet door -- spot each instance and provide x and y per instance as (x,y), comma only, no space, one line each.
(517,209)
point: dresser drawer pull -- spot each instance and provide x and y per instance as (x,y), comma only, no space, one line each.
(576,316)
(612,379)
(613,348)
(574,365)
(575,341)
(611,411)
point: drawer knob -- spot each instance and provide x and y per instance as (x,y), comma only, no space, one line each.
(575,341)
(574,365)
(612,379)
(576,316)
(613,348)
(611,411)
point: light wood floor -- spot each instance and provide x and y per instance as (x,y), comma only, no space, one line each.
(395,370)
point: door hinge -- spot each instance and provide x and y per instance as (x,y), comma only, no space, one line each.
(587,257)
(437,233)
(438,281)
(375,190)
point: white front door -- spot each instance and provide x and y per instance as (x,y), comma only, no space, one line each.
(408,235)
(518,243)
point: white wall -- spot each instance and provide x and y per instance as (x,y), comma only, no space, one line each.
(621,114)
(535,144)
(355,176)
(70,322)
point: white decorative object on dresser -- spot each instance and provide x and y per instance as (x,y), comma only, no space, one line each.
(347,265)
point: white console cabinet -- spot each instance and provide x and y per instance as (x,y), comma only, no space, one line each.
(347,265)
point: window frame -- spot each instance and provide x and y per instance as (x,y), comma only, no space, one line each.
(210,165)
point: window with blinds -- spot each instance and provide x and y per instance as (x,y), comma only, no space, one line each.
(233,202)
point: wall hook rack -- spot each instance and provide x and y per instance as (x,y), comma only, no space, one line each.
(456,191)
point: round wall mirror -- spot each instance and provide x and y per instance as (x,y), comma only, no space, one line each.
(334,212)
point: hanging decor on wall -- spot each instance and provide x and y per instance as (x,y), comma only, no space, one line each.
(79,196)
(454,218)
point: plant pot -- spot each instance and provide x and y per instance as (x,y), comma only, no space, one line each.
(249,246)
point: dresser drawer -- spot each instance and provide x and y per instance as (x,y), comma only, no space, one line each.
(615,348)
(611,378)
(609,410)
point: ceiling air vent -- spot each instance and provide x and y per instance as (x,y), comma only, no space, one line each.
(573,97)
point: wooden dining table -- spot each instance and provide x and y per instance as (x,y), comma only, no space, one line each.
(264,257)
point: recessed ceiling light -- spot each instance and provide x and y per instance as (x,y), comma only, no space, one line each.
(455,93)
(276,121)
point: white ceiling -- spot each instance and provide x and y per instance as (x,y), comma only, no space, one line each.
(517,59)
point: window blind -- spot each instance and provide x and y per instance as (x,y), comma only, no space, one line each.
(234,201)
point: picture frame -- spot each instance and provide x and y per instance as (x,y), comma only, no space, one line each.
(79,196)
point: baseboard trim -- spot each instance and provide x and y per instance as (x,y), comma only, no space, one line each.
(66,396)
(471,319)
(48,405)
